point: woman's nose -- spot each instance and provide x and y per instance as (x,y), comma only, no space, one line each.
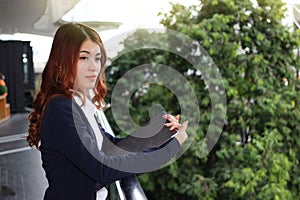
(93,66)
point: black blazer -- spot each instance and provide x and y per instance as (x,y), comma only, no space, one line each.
(75,168)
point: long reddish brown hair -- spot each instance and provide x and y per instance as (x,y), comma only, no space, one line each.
(59,75)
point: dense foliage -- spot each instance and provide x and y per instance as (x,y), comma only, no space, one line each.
(256,156)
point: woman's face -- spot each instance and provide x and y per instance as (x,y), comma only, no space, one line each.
(89,64)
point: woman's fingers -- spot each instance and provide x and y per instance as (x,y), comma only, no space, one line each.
(183,126)
(173,121)
(171,117)
(174,124)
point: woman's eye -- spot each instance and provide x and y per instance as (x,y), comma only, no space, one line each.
(83,58)
(98,58)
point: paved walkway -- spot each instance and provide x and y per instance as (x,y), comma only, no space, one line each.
(21,173)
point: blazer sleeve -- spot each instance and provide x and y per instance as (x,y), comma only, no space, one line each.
(63,130)
(111,138)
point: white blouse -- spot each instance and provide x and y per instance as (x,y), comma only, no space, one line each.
(90,110)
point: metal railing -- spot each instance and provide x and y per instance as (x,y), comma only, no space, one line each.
(125,189)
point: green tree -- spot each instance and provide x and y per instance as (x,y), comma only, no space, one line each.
(256,156)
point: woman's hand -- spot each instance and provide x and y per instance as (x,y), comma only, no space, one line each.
(174,124)
(173,121)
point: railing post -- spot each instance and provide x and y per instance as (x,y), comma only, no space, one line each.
(132,189)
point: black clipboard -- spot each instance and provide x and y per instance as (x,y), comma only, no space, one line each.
(153,134)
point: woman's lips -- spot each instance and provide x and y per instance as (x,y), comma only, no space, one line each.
(91,78)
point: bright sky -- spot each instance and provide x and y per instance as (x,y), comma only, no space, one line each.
(131,13)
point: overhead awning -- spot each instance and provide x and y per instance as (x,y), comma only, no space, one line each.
(32,16)
(40,17)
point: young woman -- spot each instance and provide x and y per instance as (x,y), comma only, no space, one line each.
(63,127)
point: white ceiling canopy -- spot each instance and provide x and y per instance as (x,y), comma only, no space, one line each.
(32,16)
(41,17)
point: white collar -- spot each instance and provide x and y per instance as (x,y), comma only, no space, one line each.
(88,107)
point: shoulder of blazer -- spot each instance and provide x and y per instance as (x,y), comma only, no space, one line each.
(64,104)
(61,110)
(59,101)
